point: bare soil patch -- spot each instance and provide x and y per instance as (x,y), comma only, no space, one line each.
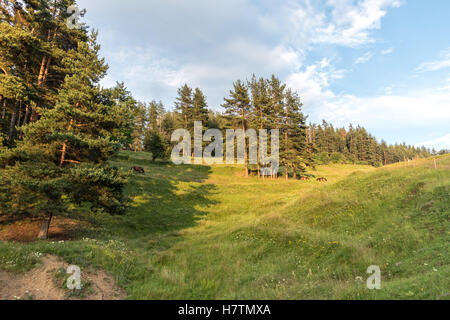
(42,283)
(27,230)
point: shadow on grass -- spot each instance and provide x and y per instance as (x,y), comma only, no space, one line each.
(164,201)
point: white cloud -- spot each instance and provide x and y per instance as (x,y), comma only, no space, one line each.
(351,23)
(212,43)
(145,71)
(441,143)
(442,63)
(420,109)
(408,112)
(387,51)
(364,58)
(314,81)
(153,76)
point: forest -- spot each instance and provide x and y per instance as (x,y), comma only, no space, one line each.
(59,126)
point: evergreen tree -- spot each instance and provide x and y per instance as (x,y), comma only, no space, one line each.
(140,122)
(153,116)
(294,128)
(184,106)
(34,40)
(155,144)
(277,93)
(261,104)
(238,106)
(72,141)
(200,107)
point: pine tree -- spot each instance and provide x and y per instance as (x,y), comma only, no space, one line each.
(184,106)
(152,116)
(127,122)
(140,121)
(34,39)
(200,107)
(277,92)
(294,129)
(155,144)
(65,151)
(238,106)
(17,47)
(261,103)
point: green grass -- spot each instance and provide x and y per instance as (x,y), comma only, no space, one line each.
(195,232)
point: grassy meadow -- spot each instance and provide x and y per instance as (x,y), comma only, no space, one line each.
(199,232)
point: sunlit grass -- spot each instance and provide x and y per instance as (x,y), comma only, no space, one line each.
(201,232)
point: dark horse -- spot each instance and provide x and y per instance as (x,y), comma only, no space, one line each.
(322,180)
(138,169)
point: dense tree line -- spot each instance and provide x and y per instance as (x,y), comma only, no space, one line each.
(355,144)
(256,104)
(269,104)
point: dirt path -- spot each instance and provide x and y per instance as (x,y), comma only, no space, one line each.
(27,230)
(47,282)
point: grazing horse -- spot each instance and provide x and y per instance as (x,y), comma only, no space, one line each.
(305,179)
(322,180)
(138,169)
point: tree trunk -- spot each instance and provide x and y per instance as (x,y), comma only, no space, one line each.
(47,68)
(64,147)
(12,125)
(245,145)
(286,141)
(42,71)
(25,120)
(19,115)
(45,226)
(34,115)
(259,154)
(4,109)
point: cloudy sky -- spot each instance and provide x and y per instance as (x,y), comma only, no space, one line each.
(384,64)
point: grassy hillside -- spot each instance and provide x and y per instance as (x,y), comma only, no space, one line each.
(209,233)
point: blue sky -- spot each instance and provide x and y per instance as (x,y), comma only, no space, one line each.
(383,64)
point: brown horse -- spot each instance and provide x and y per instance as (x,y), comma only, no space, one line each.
(322,180)
(138,169)
(305,179)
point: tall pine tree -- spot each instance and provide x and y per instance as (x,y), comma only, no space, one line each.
(238,106)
